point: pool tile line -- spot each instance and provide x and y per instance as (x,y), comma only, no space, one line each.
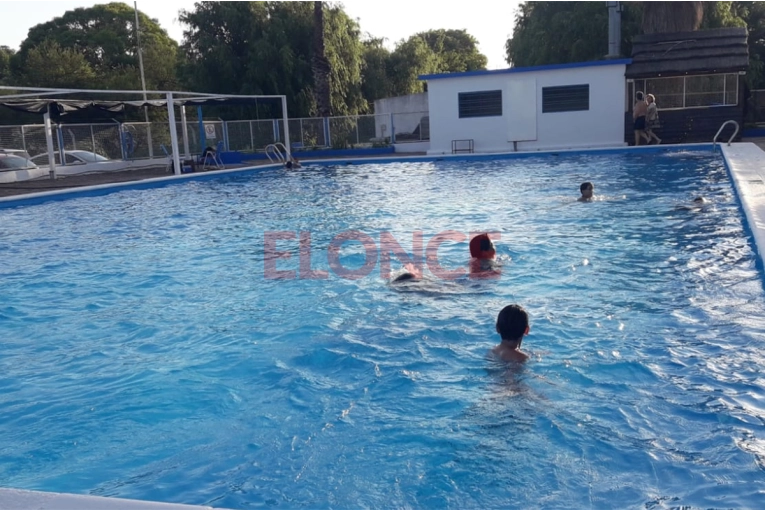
(746,165)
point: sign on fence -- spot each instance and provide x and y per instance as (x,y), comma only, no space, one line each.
(210,131)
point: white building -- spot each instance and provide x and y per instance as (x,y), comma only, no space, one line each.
(528,108)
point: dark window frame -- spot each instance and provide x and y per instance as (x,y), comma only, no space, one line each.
(483,103)
(566,98)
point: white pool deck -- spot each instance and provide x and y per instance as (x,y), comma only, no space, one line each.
(746,162)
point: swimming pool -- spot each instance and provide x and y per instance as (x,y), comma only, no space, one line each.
(148,353)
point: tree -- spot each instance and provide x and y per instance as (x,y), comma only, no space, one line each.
(320,64)
(411,59)
(375,73)
(456,49)
(6,54)
(104,35)
(50,65)
(435,51)
(268,48)
(667,17)
(561,32)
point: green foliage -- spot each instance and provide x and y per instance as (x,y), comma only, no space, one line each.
(50,65)
(104,38)
(412,58)
(374,73)
(562,32)
(6,54)
(266,48)
(435,51)
(456,49)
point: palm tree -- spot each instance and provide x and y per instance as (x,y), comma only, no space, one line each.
(320,64)
(664,17)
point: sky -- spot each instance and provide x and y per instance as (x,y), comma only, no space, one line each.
(490,22)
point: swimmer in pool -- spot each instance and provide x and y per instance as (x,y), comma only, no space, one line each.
(512,326)
(698,204)
(587,189)
(410,273)
(483,255)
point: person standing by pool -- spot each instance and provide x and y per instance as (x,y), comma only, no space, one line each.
(639,112)
(512,326)
(652,119)
(587,189)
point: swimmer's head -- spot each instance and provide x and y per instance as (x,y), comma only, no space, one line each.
(404,277)
(481,247)
(699,200)
(587,189)
(512,322)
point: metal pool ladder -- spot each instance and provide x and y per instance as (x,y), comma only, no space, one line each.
(714,140)
(274,148)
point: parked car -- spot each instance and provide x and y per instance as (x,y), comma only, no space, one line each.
(71,158)
(14,161)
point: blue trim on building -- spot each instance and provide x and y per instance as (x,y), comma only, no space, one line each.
(105,189)
(552,67)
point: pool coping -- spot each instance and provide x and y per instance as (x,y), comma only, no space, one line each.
(15,499)
(744,161)
(746,166)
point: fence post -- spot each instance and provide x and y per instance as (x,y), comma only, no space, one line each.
(225,135)
(357,131)
(93,138)
(275,124)
(202,136)
(392,130)
(252,138)
(49,144)
(151,143)
(61,144)
(173,133)
(327,133)
(23,139)
(186,152)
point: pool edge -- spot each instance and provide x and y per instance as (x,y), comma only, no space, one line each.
(17,499)
(745,163)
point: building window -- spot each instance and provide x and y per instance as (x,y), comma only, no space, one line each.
(480,104)
(571,98)
(691,91)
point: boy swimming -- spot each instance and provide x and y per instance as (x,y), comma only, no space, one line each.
(512,326)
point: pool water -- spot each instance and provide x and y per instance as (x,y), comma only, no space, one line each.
(147,352)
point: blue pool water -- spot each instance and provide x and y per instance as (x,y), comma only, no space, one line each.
(145,354)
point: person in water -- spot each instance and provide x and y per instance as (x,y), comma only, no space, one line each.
(292,163)
(698,204)
(512,326)
(483,255)
(410,273)
(587,189)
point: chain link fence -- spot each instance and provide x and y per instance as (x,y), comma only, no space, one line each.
(411,127)
(140,140)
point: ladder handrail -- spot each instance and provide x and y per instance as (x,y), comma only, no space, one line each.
(277,153)
(714,140)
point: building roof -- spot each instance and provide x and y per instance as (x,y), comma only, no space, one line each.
(526,69)
(680,53)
